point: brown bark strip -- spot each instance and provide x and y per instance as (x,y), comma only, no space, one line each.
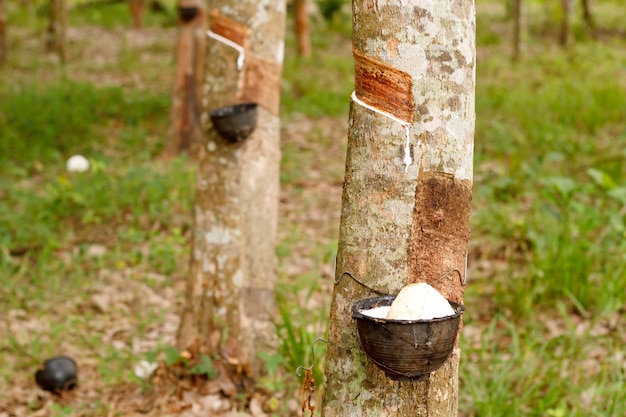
(384,87)
(228,28)
(57,28)
(440,232)
(301,17)
(262,83)
(137,11)
(185,132)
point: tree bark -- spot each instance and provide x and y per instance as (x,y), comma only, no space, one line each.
(301,16)
(407,197)
(587,15)
(3,34)
(185,131)
(137,12)
(57,28)
(517,29)
(565,32)
(230,289)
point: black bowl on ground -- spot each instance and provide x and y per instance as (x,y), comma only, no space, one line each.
(187,13)
(406,350)
(235,123)
(57,374)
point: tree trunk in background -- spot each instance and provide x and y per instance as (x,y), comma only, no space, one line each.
(3,34)
(405,212)
(57,28)
(137,11)
(185,131)
(230,292)
(587,16)
(301,16)
(517,29)
(566,14)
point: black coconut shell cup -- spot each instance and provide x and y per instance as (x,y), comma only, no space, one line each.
(235,123)
(406,349)
(187,13)
(57,374)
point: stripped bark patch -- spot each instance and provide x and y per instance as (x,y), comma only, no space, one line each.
(384,87)
(262,83)
(228,28)
(440,232)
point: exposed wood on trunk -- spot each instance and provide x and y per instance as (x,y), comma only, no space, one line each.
(404,224)
(57,28)
(262,83)
(230,291)
(185,130)
(384,87)
(230,29)
(440,227)
(137,12)
(303,35)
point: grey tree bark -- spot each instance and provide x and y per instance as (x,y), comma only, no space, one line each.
(230,290)
(57,28)
(407,190)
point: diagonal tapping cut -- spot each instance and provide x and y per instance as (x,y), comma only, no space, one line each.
(384,87)
(230,33)
(386,90)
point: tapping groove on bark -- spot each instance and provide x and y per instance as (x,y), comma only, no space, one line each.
(440,232)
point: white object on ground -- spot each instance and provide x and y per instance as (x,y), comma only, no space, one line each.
(77,163)
(419,302)
(144,369)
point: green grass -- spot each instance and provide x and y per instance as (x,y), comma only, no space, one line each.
(509,370)
(48,123)
(321,84)
(106,15)
(545,303)
(561,189)
(548,218)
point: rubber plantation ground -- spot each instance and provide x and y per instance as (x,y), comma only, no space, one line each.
(92,265)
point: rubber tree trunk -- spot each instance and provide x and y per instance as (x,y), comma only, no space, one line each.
(587,15)
(137,12)
(57,28)
(517,29)
(406,198)
(230,290)
(566,17)
(301,17)
(3,34)
(185,131)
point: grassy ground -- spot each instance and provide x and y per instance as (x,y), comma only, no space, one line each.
(92,265)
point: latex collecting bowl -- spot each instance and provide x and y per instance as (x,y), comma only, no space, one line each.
(57,374)
(235,123)
(406,349)
(187,13)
